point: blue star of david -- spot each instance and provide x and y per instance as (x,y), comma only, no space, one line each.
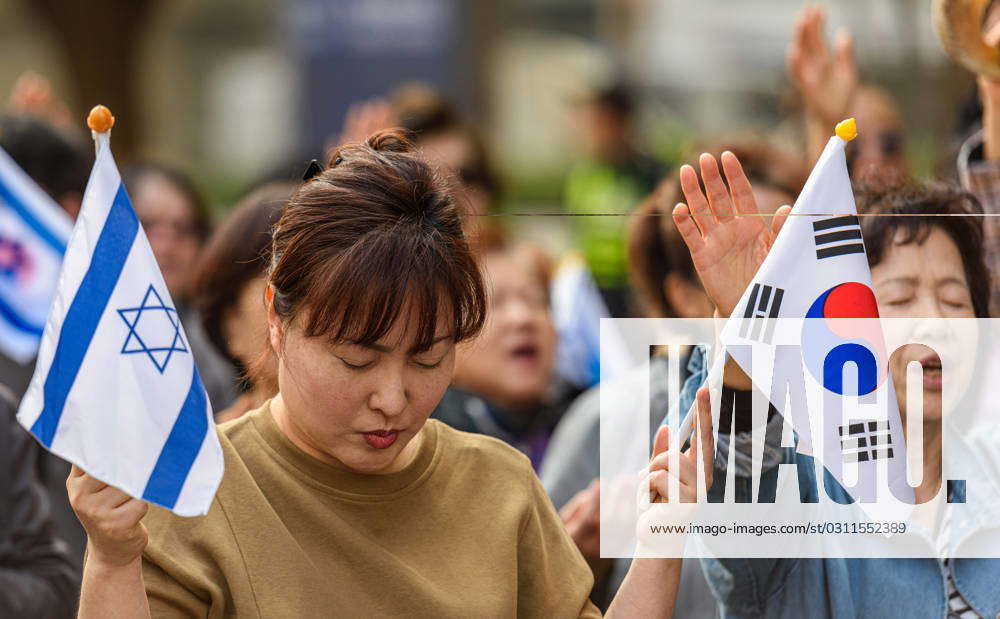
(159,325)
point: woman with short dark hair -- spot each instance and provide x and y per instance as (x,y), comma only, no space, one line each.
(340,496)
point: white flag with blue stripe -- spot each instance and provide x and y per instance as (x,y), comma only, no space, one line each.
(116,389)
(34,231)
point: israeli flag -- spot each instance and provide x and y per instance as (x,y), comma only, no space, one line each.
(116,389)
(34,231)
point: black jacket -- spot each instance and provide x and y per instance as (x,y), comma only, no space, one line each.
(37,576)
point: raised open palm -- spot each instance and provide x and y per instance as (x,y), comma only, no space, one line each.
(826,80)
(727,237)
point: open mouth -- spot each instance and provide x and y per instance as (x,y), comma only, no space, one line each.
(931,363)
(932,372)
(525,352)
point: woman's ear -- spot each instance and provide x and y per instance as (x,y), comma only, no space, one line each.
(275,326)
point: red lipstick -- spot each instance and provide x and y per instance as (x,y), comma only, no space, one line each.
(381,439)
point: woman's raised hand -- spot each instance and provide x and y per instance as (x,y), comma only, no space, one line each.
(727,237)
(825,79)
(116,536)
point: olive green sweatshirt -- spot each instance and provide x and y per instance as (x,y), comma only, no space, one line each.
(465,530)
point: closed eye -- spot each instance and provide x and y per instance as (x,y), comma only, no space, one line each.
(356,366)
(429,366)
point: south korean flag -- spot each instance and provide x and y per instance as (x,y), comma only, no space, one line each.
(817,269)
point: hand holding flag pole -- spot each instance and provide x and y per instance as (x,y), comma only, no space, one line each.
(112,518)
(702,447)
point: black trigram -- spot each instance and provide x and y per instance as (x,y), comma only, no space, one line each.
(760,312)
(864,441)
(832,233)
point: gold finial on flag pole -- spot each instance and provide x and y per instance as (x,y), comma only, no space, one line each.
(100,119)
(847,130)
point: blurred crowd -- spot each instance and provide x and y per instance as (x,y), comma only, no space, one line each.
(530,378)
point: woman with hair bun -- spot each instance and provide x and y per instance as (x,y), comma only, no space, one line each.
(340,496)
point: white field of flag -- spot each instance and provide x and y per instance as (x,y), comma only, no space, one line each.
(116,390)
(34,231)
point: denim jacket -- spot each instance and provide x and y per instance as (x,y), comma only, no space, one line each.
(836,587)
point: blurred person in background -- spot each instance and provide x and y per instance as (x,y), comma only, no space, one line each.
(666,286)
(38,575)
(449,142)
(33,95)
(58,160)
(613,177)
(229,292)
(443,138)
(591,282)
(826,82)
(176,222)
(503,378)
(878,149)
(41,541)
(174,218)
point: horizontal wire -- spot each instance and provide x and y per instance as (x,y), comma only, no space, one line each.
(732,215)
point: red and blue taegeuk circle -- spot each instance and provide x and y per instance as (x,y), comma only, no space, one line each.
(831,340)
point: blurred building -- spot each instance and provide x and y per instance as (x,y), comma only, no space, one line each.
(234,88)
